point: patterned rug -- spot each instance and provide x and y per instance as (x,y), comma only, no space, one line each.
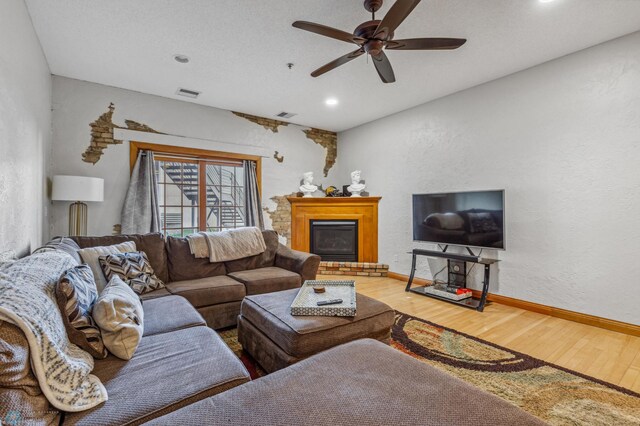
(557,395)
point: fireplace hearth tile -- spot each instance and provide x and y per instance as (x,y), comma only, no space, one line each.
(363,269)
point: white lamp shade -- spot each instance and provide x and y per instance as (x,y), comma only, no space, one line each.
(77,188)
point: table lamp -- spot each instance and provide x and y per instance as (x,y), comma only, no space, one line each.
(77,189)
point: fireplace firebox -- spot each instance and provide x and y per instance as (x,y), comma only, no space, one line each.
(335,240)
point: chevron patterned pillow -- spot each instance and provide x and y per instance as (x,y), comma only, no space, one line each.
(133,268)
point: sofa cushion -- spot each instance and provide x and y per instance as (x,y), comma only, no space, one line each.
(161,292)
(91,256)
(301,336)
(360,383)
(76,293)
(222,315)
(134,269)
(184,266)
(19,389)
(261,260)
(152,244)
(208,291)
(165,314)
(169,371)
(267,280)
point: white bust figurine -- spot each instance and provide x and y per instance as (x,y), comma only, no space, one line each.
(356,187)
(308,187)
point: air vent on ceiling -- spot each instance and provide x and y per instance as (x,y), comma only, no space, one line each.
(188,93)
(285,114)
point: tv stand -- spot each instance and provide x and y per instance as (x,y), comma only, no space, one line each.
(477,304)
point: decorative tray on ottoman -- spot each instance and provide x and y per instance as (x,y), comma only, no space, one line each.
(305,302)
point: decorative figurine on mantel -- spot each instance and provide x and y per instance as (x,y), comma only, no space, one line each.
(356,186)
(307,187)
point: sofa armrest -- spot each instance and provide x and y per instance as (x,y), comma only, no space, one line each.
(305,264)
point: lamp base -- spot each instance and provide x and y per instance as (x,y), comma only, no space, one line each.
(78,219)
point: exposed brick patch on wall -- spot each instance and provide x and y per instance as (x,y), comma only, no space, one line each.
(281,216)
(329,141)
(102,134)
(364,269)
(279,158)
(267,123)
(134,125)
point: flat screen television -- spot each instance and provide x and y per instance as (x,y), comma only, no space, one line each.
(470,219)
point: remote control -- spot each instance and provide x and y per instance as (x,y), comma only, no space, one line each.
(329,302)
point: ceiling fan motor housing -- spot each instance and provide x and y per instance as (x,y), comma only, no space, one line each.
(372,5)
(367,30)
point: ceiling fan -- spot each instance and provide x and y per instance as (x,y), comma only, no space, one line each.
(374,36)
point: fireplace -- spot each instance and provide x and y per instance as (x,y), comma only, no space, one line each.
(334,239)
(360,210)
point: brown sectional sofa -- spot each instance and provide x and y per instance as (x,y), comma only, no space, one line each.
(216,290)
(180,359)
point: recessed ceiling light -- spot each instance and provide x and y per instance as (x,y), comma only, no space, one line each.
(183,59)
(331,102)
(545,1)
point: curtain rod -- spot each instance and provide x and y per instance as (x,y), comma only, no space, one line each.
(196,138)
(194,157)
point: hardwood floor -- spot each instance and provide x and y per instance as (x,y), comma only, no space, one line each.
(603,354)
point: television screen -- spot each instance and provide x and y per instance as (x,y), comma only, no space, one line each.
(472,219)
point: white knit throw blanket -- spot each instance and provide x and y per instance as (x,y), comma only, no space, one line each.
(227,245)
(27,299)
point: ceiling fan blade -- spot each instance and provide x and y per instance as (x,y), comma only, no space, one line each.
(328,32)
(426,44)
(336,63)
(394,17)
(383,66)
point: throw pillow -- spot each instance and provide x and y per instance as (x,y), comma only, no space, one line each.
(118,313)
(65,244)
(90,256)
(134,269)
(76,293)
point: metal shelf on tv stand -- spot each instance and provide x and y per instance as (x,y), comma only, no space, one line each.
(473,303)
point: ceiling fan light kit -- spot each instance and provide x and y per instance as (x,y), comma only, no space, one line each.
(375,36)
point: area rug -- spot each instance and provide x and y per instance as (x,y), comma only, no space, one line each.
(557,395)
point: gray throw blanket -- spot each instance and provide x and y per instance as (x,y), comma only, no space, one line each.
(27,300)
(227,245)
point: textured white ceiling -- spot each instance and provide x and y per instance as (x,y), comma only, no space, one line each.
(239,49)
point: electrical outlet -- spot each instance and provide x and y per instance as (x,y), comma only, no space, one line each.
(395,258)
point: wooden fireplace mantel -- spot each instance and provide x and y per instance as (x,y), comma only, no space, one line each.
(362,209)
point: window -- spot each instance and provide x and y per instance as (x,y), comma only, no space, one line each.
(198,190)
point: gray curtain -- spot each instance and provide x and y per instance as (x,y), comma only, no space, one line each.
(252,202)
(140,213)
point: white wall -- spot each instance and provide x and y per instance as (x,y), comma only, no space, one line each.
(25,131)
(563,139)
(78,103)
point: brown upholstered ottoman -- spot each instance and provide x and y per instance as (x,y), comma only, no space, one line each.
(276,339)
